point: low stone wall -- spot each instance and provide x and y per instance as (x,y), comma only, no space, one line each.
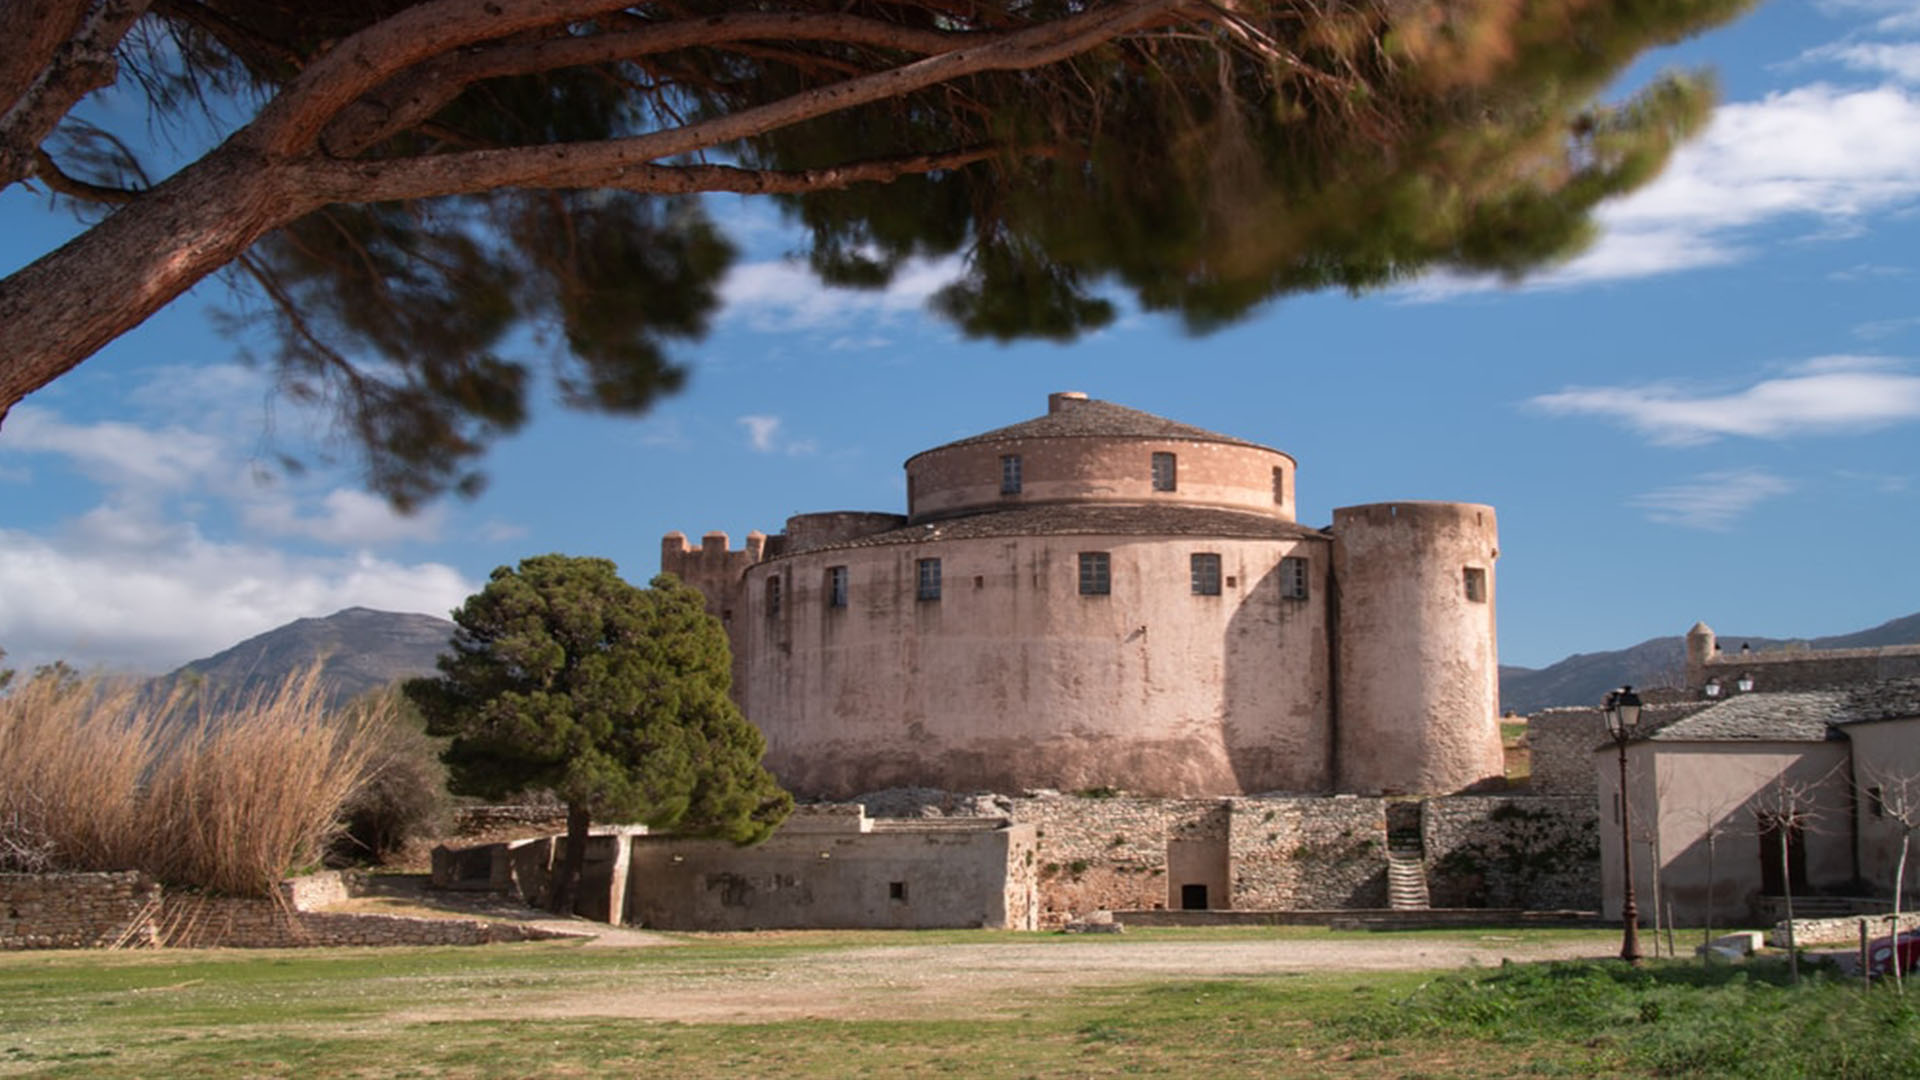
(1843,930)
(1814,669)
(78,911)
(1540,852)
(130,910)
(187,921)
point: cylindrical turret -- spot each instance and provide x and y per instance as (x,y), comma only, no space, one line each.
(1417,674)
(1701,645)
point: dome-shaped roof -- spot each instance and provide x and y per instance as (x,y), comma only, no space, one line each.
(1076,417)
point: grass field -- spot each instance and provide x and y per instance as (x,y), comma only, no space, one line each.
(555,1009)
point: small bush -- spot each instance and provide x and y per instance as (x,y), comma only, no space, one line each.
(404,795)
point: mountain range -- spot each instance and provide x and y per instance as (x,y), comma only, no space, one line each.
(360,649)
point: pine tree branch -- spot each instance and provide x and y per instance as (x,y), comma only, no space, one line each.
(581,164)
(78,66)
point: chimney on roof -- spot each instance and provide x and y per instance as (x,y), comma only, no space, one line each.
(1064,399)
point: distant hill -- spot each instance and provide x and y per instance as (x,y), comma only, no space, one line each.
(1585,678)
(359,649)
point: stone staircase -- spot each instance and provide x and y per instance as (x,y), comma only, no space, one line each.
(1406,879)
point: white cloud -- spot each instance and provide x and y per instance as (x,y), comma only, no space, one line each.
(1830,395)
(1712,500)
(1881,329)
(499,532)
(1901,60)
(1819,153)
(761,431)
(120,591)
(344,518)
(763,435)
(116,454)
(784,295)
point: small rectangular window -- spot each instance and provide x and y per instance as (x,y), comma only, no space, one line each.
(773,596)
(897,890)
(1476,582)
(836,586)
(1096,577)
(1205,568)
(1876,801)
(1279,486)
(1293,578)
(1010,474)
(1163,472)
(929,586)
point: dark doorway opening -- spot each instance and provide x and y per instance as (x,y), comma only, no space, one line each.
(1193,897)
(1771,881)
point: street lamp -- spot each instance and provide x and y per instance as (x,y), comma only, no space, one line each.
(1622,710)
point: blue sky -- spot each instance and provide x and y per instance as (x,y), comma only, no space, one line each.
(1713,414)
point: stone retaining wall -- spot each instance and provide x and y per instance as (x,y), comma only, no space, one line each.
(78,911)
(130,910)
(1539,852)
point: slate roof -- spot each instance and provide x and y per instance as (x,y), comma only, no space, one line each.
(1097,419)
(1080,519)
(1796,716)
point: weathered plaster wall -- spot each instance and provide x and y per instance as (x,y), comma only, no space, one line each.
(966,479)
(1506,851)
(1886,757)
(1012,679)
(1694,788)
(1417,671)
(901,874)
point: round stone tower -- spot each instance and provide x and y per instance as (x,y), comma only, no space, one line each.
(1417,673)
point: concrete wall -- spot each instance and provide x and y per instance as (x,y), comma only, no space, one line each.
(899,875)
(1013,679)
(1533,852)
(1693,790)
(966,479)
(1417,671)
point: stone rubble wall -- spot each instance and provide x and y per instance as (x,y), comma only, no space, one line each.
(1537,852)
(1110,852)
(1813,669)
(78,911)
(130,910)
(1305,854)
(1560,744)
(1843,930)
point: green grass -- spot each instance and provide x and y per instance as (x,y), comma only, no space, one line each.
(356,1013)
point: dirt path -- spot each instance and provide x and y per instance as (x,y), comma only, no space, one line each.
(932,980)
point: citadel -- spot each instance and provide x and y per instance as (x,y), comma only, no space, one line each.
(1100,598)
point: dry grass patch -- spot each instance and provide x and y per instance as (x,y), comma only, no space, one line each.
(227,795)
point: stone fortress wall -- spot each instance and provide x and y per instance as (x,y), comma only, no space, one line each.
(1708,665)
(959,646)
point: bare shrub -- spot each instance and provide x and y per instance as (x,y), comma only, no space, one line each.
(404,797)
(222,795)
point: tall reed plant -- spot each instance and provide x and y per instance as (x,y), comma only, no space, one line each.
(227,794)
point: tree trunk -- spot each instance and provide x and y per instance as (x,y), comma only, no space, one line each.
(566,883)
(60,309)
(1899,882)
(1786,887)
(1713,889)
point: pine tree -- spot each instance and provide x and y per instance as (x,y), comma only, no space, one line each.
(563,677)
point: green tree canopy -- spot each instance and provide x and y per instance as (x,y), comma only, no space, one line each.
(563,677)
(421,177)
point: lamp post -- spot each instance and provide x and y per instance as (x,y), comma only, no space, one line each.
(1622,710)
